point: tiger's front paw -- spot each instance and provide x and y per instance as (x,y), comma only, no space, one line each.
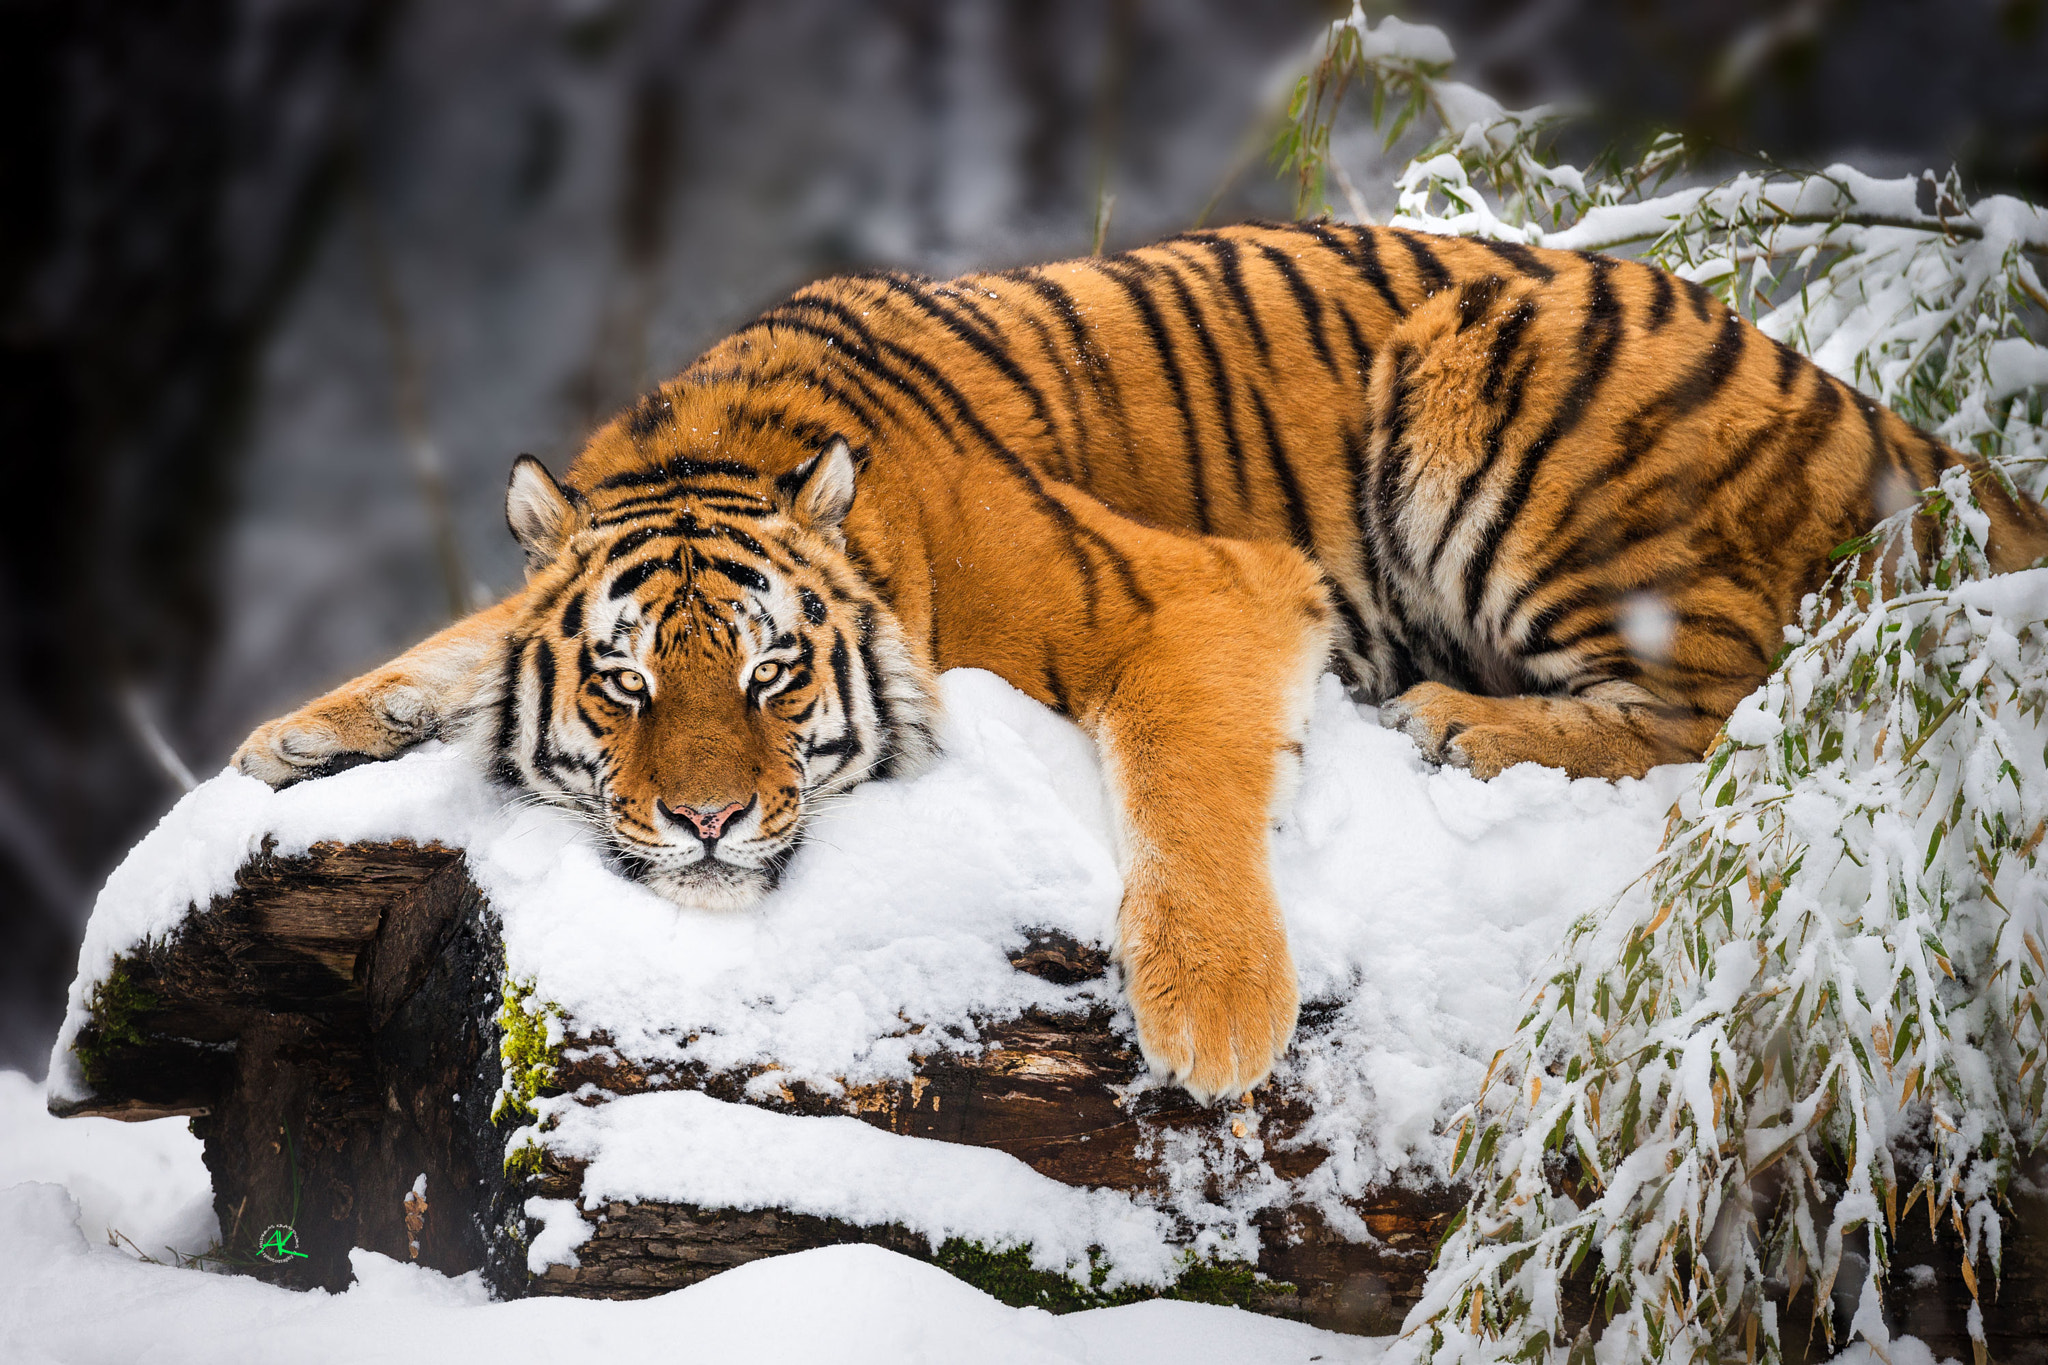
(1213,1017)
(339,731)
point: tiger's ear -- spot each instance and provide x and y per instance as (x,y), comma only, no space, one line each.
(820,490)
(540,512)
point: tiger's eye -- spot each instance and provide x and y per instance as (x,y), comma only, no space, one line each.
(767,672)
(629,681)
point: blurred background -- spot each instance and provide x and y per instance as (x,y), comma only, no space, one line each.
(286,284)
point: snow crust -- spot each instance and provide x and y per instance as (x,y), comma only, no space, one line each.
(1420,904)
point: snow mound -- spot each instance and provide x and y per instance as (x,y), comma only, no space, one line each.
(62,1299)
(1420,904)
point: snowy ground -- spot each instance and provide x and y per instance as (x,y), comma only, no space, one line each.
(1420,904)
(67,1296)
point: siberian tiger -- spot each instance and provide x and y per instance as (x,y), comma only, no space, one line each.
(1540,507)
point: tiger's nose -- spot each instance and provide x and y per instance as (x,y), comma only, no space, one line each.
(709,824)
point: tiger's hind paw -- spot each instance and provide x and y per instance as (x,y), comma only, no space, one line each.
(1457,729)
(1434,716)
(340,731)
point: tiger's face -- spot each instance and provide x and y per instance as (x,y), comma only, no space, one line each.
(700,662)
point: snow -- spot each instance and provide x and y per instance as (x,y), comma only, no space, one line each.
(1396,39)
(142,1180)
(64,1300)
(1420,905)
(2021,596)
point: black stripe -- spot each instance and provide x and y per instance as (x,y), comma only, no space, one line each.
(1661,300)
(1230,264)
(1696,294)
(1121,270)
(1936,455)
(745,575)
(632,541)
(988,347)
(1219,379)
(1496,431)
(1521,257)
(858,347)
(1387,480)
(572,617)
(650,415)
(1649,424)
(871,409)
(1367,255)
(1435,278)
(1361,353)
(1072,449)
(1507,339)
(1368,567)
(676,468)
(503,766)
(673,499)
(1076,536)
(1599,337)
(1476,299)
(691,529)
(752,510)
(594,724)
(1299,527)
(1094,366)
(1789,362)
(544,708)
(630,579)
(878,696)
(1053,686)
(1305,299)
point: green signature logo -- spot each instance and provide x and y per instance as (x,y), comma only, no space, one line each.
(280,1242)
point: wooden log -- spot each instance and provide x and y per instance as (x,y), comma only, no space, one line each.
(332,1029)
(328,1028)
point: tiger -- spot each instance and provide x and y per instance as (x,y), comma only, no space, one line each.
(1536,506)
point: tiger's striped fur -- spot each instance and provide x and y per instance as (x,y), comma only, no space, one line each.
(1541,506)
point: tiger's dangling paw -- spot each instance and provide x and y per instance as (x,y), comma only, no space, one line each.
(1215,1022)
(362,722)
(1201,741)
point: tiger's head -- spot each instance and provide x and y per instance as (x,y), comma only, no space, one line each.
(699,662)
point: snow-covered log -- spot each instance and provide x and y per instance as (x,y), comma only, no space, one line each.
(415,1013)
(329,1027)
(335,1026)
(332,1027)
